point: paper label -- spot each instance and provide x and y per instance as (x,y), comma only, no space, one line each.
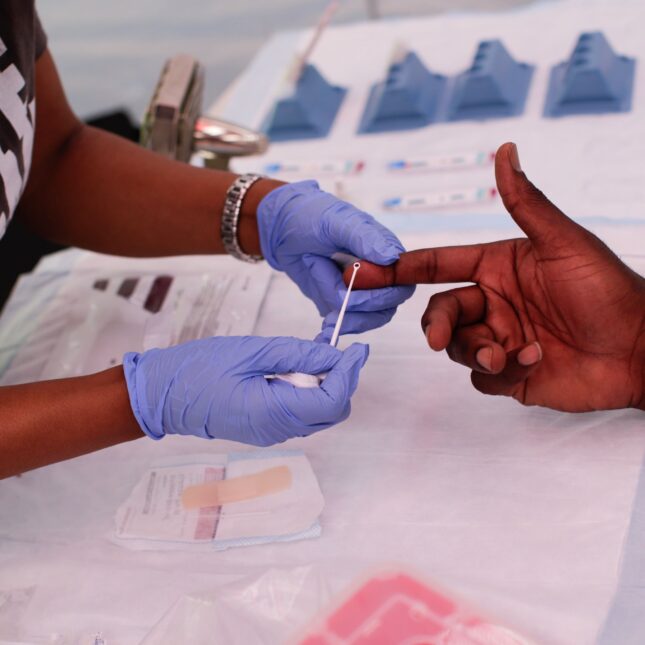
(154,510)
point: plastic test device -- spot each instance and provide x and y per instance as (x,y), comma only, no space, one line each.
(308,103)
(494,86)
(438,200)
(298,379)
(594,80)
(407,98)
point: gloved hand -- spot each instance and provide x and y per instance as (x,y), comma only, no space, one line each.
(215,388)
(301,227)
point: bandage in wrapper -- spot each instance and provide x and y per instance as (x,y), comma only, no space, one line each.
(267,496)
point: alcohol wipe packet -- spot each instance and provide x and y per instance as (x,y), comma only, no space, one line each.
(206,502)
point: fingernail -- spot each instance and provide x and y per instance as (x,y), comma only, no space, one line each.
(485,358)
(515,158)
(530,355)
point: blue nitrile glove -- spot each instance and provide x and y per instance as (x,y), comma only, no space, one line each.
(215,388)
(301,227)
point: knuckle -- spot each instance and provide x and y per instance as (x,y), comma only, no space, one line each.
(483,383)
(429,268)
(435,299)
(447,303)
(476,381)
(454,351)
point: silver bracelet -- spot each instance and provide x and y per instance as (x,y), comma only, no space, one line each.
(231,217)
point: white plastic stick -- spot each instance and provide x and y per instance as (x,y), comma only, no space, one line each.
(301,61)
(341,314)
(298,379)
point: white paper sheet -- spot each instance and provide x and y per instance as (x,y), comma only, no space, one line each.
(101,310)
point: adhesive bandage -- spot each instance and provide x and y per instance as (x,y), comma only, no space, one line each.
(237,489)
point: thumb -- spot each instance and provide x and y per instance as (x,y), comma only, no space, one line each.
(544,223)
(342,380)
(320,407)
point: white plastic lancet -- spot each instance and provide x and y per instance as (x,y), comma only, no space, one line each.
(298,379)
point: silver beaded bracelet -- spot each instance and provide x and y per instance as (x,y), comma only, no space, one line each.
(231,217)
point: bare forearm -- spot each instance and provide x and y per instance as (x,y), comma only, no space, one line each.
(641,370)
(104,193)
(42,423)
(95,190)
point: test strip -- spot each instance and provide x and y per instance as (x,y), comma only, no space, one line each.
(442,162)
(314,168)
(237,489)
(439,200)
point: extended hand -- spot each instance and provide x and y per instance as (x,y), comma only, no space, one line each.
(215,388)
(301,228)
(555,319)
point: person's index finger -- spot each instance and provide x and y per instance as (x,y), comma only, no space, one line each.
(370,276)
(423,266)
